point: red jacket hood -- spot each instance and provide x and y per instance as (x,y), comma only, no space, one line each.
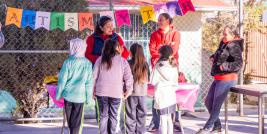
(160,31)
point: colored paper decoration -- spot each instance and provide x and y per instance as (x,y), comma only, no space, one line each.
(14,16)
(71,21)
(57,21)
(86,21)
(28,19)
(80,21)
(42,20)
(122,18)
(147,13)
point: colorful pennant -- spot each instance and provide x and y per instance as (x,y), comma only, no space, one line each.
(86,21)
(28,19)
(186,5)
(80,21)
(173,8)
(71,21)
(57,21)
(42,20)
(160,8)
(147,13)
(122,18)
(14,16)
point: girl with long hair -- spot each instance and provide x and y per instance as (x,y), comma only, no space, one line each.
(136,103)
(111,72)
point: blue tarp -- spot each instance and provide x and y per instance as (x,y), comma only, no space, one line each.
(7,102)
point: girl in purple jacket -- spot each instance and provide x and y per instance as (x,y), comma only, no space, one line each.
(111,72)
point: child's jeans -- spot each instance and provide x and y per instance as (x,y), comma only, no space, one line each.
(136,115)
(109,115)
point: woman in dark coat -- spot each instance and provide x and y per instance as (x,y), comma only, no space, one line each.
(226,63)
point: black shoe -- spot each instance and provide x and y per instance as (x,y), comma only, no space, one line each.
(152,129)
(177,127)
(217,131)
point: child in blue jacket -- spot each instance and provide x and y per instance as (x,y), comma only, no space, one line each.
(75,85)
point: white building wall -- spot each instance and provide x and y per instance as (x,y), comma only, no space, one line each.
(190,47)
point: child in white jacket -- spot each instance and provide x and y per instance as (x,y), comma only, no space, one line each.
(164,78)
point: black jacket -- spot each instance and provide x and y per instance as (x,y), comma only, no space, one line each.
(229,56)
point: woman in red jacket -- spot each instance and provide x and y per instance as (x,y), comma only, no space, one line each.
(165,35)
(95,42)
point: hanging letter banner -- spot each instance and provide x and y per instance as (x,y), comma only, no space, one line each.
(148,14)
(122,17)
(80,21)
(86,21)
(42,20)
(28,18)
(186,5)
(110,14)
(57,21)
(71,21)
(14,16)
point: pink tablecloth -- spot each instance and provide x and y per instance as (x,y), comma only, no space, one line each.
(186,95)
(52,93)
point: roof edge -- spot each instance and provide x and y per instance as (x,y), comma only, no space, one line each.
(136,7)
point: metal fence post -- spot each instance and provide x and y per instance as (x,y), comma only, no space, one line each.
(241,75)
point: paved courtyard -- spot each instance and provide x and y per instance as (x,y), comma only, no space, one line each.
(237,125)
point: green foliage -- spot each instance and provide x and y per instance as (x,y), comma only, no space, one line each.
(213,28)
(252,20)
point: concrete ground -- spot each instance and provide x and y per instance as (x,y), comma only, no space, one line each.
(237,125)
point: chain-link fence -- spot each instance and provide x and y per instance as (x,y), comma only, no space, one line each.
(28,55)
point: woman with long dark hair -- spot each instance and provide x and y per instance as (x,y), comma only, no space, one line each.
(226,63)
(103,30)
(111,72)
